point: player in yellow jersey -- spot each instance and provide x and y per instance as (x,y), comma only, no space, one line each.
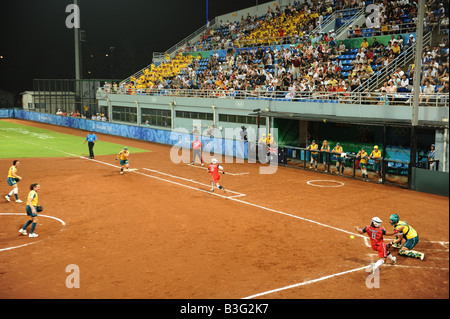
(363,157)
(376,156)
(32,210)
(122,158)
(338,150)
(12,180)
(404,231)
(314,155)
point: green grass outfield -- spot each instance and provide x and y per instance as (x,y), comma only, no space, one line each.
(23,141)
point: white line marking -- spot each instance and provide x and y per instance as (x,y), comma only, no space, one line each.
(31,243)
(305,283)
(183,185)
(426,257)
(325,180)
(228,173)
(264,208)
(191,181)
(418,267)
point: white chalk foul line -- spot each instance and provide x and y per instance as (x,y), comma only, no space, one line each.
(258,206)
(228,173)
(304,283)
(191,181)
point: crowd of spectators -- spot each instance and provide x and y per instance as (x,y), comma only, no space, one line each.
(398,16)
(312,63)
(277,26)
(434,75)
(76,113)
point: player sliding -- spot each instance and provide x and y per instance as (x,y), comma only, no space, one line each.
(376,233)
(214,169)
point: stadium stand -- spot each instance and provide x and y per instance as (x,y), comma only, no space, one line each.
(284,54)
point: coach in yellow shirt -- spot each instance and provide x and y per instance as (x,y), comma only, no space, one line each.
(338,150)
(314,155)
(376,156)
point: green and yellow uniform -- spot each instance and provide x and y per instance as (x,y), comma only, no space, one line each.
(12,174)
(123,157)
(33,198)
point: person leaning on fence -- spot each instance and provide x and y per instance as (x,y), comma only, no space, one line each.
(338,150)
(326,156)
(314,155)
(376,156)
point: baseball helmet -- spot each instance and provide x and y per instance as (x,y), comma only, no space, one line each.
(393,219)
(376,222)
(214,161)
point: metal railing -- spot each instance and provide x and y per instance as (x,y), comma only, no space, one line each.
(393,172)
(379,77)
(380,98)
(339,32)
(171,51)
(379,30)
(175,48)
(332,17)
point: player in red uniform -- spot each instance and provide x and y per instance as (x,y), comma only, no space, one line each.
(376,233)
(214,169)
(197,150)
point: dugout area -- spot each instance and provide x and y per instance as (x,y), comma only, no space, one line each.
(153,236)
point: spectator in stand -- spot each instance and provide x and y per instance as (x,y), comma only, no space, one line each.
(341,48)
(428,91)
(426,59)
(364,44)
(404,84)
(429,75)
(444,89)
(357,31)
(411,41)
(351,32)
(396,49)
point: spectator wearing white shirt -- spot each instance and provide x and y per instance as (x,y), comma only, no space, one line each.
(404,84)
(428,89)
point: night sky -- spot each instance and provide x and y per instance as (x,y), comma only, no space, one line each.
(35,43)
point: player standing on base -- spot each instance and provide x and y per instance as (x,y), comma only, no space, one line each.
(12,180)
(214,169)
(376,233)
(122,158)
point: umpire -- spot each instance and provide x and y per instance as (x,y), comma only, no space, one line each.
(91,138)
